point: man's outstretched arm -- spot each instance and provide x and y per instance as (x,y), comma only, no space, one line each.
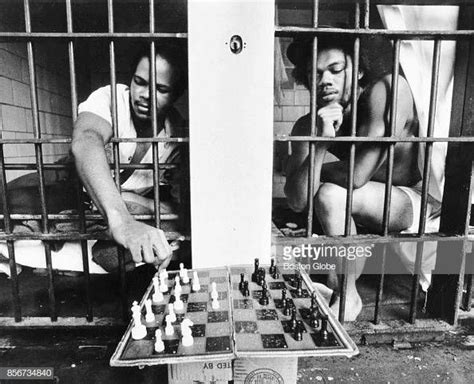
(90,135)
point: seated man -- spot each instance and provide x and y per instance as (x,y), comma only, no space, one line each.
(334,82)
(92,149)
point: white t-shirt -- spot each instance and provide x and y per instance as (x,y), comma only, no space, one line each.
(141,181)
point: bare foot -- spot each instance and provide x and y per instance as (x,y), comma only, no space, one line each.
(324,291)
(352,309)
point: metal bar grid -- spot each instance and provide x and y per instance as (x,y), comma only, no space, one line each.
(314,108)
(80,196)
(391,140)
(351,165)
(281,31)
(426,177)
(115,148)
(24,36)
(39,159)
(8,230)
(389,182)
(154,118)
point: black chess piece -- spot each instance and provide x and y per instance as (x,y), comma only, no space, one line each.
(260,276)
(241,284)
(272,268)
(314,318)
(298,334)
(287,308)
(299,286)
(284,296)
(264,299)
(276,275)
(255,271)
(300,326)
(293,322)
(323,333)
(314,303)
(245,290)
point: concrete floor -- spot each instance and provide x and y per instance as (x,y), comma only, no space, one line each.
(83,358)
(81,355)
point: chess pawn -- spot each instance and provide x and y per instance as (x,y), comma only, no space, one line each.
(293,322)
(149,316)
(163,284)
(181,270)
(314,318)
(215,303)
(185,276)
(214,293)
(196,287)
(264,299)
(177,285)
(171,313)
(287,307)
(169,329)
(178,304)
(298,334)
(246,291)
(324,329)
(284,295)
(157,295)
(159,345)
(272,268)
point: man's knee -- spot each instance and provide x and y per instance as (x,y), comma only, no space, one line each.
(329,197)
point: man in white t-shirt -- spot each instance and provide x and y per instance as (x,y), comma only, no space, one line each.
(91,148)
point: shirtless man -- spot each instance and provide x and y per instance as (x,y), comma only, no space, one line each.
(334,82)
(93,131)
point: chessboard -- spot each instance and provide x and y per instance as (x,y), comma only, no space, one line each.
(211,328)
(241,311)
(278,313)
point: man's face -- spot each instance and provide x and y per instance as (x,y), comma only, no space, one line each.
(334,77)
(140,92)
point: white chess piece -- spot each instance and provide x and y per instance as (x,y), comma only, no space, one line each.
(196,287)
(159,345)
(178,303)
(185,276)
(149,316)
(169,329)
(163,284)
(171,312)
(215,303)
(187,322)
(177,286)
(157,295)
(181,270)
(187,333)
(214,293)
(138,330)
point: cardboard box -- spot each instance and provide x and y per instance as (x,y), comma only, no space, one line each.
(266,370)
(218,372)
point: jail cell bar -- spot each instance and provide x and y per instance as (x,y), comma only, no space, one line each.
(29,37)
(396,37)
